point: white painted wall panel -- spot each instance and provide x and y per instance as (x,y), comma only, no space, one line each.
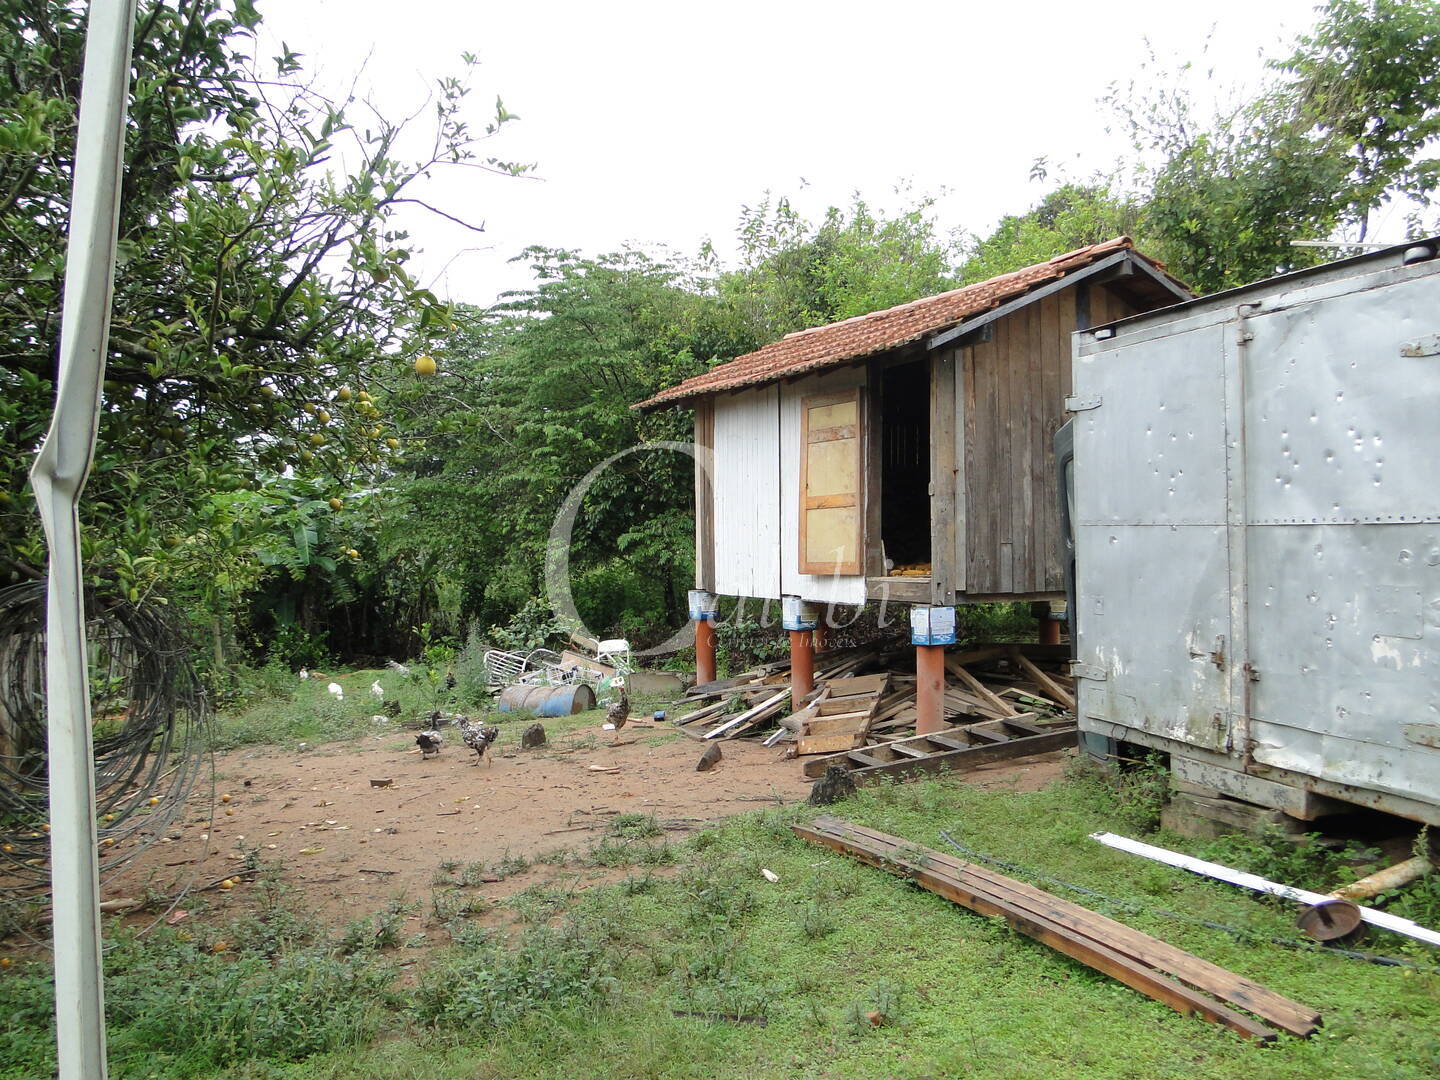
(825,589)
(747,493)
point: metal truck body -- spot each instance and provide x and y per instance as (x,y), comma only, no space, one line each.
(1256,523)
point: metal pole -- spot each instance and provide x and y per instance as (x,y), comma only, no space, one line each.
(58,477)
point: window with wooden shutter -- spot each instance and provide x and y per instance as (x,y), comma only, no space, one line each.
(831,516)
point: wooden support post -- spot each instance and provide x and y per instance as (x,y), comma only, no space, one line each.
(802,665)
(929,689)
(704,651)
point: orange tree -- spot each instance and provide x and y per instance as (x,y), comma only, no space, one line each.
(261,286)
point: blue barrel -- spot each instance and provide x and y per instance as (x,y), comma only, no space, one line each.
(547,700)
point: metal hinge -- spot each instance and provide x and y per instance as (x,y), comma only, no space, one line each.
(1076,403)
(1080,670)
(1429,345)
(1216,656)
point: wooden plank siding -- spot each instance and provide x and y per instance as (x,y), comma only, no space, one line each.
(1013,390)
(945,503)
(705,494)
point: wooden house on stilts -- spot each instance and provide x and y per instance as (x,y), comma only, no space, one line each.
(904,455)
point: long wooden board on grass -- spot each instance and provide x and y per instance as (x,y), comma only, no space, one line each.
(1136,959)
(1289,1016)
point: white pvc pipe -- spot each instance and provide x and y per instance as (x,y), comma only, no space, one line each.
(58,477)
(1381,919)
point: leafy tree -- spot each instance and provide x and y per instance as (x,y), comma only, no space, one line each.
(795,274)
(1369,76)
(1071,216)
(1344,129)
(260,287)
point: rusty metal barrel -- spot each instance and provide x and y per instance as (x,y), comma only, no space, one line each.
(547,700)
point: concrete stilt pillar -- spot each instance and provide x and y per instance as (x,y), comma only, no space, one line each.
(931,629)
(704,651)
(801,619)
(819,636)
(929,689)
(1049,620)
(802,664)
(703,608)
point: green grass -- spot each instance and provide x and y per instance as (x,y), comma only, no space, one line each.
(591,988)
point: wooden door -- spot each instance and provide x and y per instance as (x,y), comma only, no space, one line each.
(831,514)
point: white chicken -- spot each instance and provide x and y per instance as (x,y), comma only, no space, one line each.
(377,689)
(304,674)
(337,690)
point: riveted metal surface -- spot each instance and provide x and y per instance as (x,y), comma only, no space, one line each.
(1156,580)
(1340,427)
(1154,451)
(1309,540)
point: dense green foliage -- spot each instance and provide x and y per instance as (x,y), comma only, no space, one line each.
(254,282)
(1348,125)
(271,465)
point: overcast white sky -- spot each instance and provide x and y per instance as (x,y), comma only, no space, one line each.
(653,123)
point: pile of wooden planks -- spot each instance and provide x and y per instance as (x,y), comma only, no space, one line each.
(1004,701)
(839,716)
(762,694)
(955,749)
(1181,980)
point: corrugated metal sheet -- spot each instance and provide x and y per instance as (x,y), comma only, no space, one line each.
(747,494)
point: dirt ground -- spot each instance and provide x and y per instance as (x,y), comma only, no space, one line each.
(350,848)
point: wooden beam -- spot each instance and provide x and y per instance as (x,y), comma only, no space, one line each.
(969,326)
(705,494)
(974,895)
(1288,1015)
(943,473)
(969,758)
(999,704)
(1049,685)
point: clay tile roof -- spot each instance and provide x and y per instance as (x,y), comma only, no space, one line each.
(864,335)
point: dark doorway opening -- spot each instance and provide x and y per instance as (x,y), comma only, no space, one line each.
(905,466)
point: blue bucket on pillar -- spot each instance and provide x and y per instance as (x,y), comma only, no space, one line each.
(932,625)
(703,604)
(798,614)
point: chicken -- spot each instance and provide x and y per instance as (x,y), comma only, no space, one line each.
(377,689)
(429,743)
(336,689)
(397,667)
(477,736)
(617,713)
